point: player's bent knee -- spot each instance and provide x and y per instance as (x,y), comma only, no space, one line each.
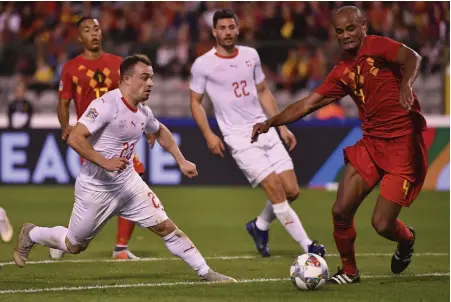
(382,226)
(75,249)
(292,193)
(164,228)
(273,188)
(337,210)
(341,212)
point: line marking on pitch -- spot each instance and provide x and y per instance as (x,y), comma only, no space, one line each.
(169,284)
(240,257)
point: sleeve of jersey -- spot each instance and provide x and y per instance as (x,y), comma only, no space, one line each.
(385,48)
(332,86)
(97,115)
(198,79)
(259,76)
(153,125)
(65,86)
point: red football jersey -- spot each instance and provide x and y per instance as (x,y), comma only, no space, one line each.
(372,79)
(85,80)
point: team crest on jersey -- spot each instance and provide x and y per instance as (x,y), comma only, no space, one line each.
(123,124)
(219,68)
(92,114)
(249,63)
(99,77)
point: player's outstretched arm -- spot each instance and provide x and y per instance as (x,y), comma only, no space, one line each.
(292,113)
(214,143)
(78,141)
(167,141)
(270,107)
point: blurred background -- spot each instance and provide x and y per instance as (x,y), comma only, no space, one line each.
(297,46)
(295,40)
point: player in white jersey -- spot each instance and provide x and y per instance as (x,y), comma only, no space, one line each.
(108,185)
(233,78)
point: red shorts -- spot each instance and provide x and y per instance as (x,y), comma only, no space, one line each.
(139,167)
(400,164)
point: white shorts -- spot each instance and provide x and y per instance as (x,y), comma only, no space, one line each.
(261,158)
(134,201)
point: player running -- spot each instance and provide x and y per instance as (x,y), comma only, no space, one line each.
(106,136)
(233,78)
(83,79)
(377,73)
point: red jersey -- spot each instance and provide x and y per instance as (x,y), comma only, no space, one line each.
(85,80)
(372,79)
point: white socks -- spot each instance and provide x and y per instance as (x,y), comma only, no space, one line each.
(266,217)
(290,221)
(181,246)
(50,237)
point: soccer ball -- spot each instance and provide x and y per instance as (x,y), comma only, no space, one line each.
(309,272)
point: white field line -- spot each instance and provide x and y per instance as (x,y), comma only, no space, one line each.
(240,257)
(169,284)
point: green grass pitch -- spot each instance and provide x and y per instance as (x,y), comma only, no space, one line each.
(214,219)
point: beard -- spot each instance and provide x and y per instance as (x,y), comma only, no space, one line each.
(227,43)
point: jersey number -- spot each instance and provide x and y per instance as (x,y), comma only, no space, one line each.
(100,91)
(155,203)
(359,78)
(240,92)
(405,187)
(127,152)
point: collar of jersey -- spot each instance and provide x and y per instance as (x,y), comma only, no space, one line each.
(228,57)
(128,105)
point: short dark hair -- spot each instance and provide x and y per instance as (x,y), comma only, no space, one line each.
(129,62)
(351,9)
(82,19)
(224,14)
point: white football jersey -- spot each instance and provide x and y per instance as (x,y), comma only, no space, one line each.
(115,129)
(230,82)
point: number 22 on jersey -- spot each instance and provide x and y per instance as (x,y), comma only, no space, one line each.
(127,152)
(239,88)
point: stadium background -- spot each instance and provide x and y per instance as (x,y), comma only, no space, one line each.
(295,42)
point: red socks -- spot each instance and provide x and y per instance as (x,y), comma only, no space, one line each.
(344,235)
(124,231)
(402,233)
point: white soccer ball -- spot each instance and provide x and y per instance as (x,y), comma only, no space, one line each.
(309,272)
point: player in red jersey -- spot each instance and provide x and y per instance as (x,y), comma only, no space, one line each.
(84,79)
(377,73)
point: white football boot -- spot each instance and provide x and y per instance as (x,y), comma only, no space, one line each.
(213,276)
